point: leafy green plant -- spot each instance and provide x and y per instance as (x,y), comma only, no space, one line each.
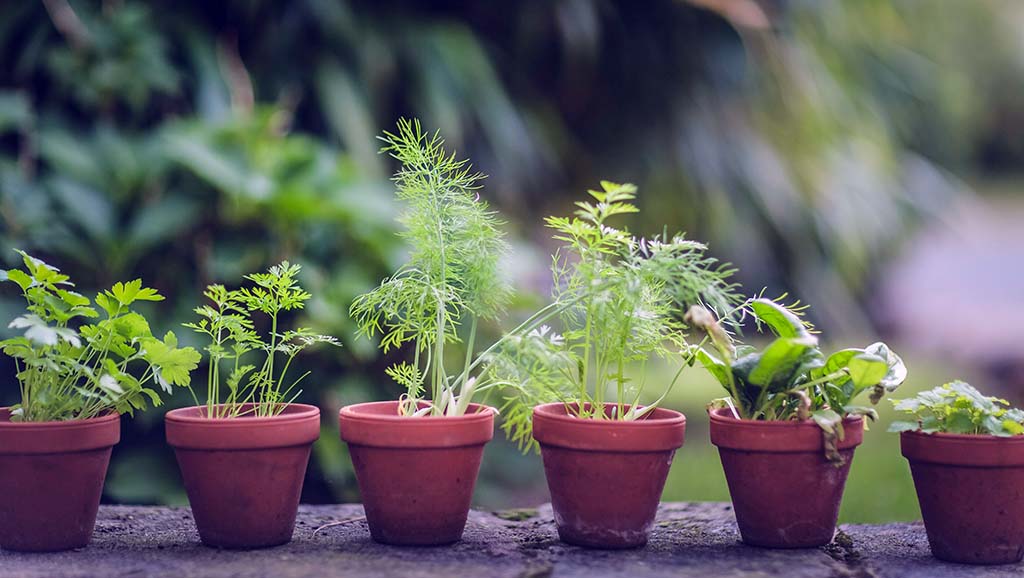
(261,390)
(451,279)
(67,370)
(957,407)
(791,378)
(620,301)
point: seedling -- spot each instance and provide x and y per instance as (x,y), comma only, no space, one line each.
(69,370)
(791,378)
(229,323)
(958,408)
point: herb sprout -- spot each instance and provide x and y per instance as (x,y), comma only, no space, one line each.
(68,373)
(958,408)
(451,280)
(620,301)
(791,378)
(228,322)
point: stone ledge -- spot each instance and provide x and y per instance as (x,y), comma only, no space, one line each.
(689,539)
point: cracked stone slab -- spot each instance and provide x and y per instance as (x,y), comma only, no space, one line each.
(689,539)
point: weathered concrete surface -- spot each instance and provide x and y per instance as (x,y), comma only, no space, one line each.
(688,540)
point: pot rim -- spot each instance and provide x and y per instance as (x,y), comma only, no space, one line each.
(554,427)
(674,418)
(724,416)
(5,421)
(965,437)
(356,412)
(298,425)
(778,436)
(357,426)
(292,412)
(58,437)
(963,450)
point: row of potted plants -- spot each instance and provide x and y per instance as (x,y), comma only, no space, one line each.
(786,430)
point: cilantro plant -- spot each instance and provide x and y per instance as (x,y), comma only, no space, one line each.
(68,369)
(620,301)
(958,408)
(791,378)
(228,322)
(450,281)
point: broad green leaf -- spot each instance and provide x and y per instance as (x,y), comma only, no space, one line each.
(782,321)
(1013,427)
(779,359)
(866,370)
(897,370)
(20,277)
(902,426)
(173,364)
(719,370)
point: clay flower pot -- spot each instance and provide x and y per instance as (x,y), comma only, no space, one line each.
(415,474)
(784,492)
(606,476)
(51,479)
(243,475)
(971,491)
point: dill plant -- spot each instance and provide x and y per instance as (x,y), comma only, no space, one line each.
(235,388)
(619,301)
(451,280)
(68,369)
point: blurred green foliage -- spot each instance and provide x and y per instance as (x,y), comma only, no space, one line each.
(190,142)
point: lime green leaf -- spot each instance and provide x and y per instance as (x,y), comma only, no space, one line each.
(20,277)
(866,370)
(781,320)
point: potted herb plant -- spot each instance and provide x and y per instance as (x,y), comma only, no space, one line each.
(620,302)
(966,453)
(788,429)
(416,459)
(75,382)
(243,453)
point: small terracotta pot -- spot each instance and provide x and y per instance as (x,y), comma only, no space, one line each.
(243,475)
(415,474)
(784,492)
(51,479)
(606,476)
(971,491)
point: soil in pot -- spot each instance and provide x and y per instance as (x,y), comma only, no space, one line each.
(243,475)
(416,474)
(606,476)
(971,491)
(51,479)
(784,491)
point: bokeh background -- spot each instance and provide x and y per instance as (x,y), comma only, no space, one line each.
(863,156)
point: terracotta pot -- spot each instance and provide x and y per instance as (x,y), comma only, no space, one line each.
(784,492)
(971,491)
(243,475)
(606,476)
(415,474)
(51,479)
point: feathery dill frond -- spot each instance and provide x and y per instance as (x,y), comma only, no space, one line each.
(452,278)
